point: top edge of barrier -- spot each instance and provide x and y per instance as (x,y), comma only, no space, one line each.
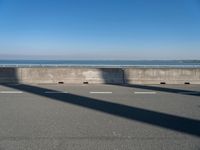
(100,66)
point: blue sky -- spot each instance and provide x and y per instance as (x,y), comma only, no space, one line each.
(100,29)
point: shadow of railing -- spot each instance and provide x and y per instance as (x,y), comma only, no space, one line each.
(168,121)
(164,89)
(125,82)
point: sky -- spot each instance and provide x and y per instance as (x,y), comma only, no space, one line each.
(100,29)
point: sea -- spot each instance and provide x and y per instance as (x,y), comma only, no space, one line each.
(101,63)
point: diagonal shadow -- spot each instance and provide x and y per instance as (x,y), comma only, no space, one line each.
(165,89)
(125,82)
(172,122)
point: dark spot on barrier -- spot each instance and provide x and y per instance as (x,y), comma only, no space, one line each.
(85,82)
(162,83)
(187,83)
(61,82)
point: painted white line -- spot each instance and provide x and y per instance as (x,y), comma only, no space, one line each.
(10,92)
(100,92)
(54,92)
(144,92)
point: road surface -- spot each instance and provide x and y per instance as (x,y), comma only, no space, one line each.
(114,117)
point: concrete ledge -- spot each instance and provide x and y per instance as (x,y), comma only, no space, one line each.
(9,75)
(100,75)
(71,75)
(162,75)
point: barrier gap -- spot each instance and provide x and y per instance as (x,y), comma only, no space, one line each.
(187,83)
(162,82)
(60,82)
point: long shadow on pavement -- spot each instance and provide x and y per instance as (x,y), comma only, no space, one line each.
(164,89)
(125,82)
(172,122)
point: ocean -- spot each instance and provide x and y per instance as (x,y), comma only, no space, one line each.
(101,63)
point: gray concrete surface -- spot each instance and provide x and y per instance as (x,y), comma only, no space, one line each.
(71,75)
(100,75)
(114,117)
(9,75)
(158,75)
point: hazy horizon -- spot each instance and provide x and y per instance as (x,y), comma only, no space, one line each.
(10,58)
(74,57)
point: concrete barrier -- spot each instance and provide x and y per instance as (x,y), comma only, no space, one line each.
(100,75)
(162,75)
(9,75)
(71,75)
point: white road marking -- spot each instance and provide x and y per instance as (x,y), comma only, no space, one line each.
(54,92)
(10,92)
(100,92)
(144,92)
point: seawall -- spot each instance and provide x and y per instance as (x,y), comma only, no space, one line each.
(89,75)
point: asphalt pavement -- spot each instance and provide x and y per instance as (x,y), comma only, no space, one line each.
(114,117)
